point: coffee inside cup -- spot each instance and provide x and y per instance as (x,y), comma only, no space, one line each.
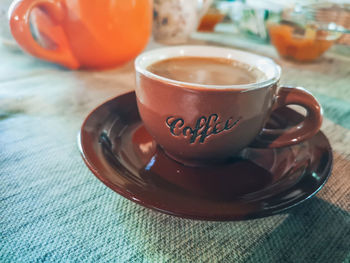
(207,71)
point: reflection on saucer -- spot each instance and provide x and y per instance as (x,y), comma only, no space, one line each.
(229,180)
(226,181)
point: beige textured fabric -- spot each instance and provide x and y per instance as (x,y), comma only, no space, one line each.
(52,208)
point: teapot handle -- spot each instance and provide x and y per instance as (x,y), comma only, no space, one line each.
(20,28)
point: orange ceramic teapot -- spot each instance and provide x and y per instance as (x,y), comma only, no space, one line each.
(83,33)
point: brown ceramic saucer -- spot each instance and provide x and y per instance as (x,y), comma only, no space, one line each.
(260,182)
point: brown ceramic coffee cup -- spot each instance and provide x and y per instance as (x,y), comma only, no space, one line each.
(200,124)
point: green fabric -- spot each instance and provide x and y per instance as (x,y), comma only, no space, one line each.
(338,110)
(53,209)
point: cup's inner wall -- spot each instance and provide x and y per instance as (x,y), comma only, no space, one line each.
(265,65)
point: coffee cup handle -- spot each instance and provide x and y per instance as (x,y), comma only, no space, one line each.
(275,138)
(20,28)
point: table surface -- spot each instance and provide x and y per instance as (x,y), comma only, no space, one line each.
(52,208)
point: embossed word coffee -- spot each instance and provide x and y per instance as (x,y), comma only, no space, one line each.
(204,104)
(204,127)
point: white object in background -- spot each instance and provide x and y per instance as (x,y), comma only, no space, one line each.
(6,38)
(175,20)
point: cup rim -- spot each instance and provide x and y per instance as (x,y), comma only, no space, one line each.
(149,57)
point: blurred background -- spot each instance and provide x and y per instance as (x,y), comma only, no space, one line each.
(299,30)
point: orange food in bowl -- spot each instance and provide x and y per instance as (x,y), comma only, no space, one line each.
(209,21)
(301,47)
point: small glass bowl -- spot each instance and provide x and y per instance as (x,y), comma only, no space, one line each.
(304,44)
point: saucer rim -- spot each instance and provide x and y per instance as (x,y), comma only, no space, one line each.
(136,199)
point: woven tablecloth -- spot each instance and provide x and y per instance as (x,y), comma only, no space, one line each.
(53,209)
